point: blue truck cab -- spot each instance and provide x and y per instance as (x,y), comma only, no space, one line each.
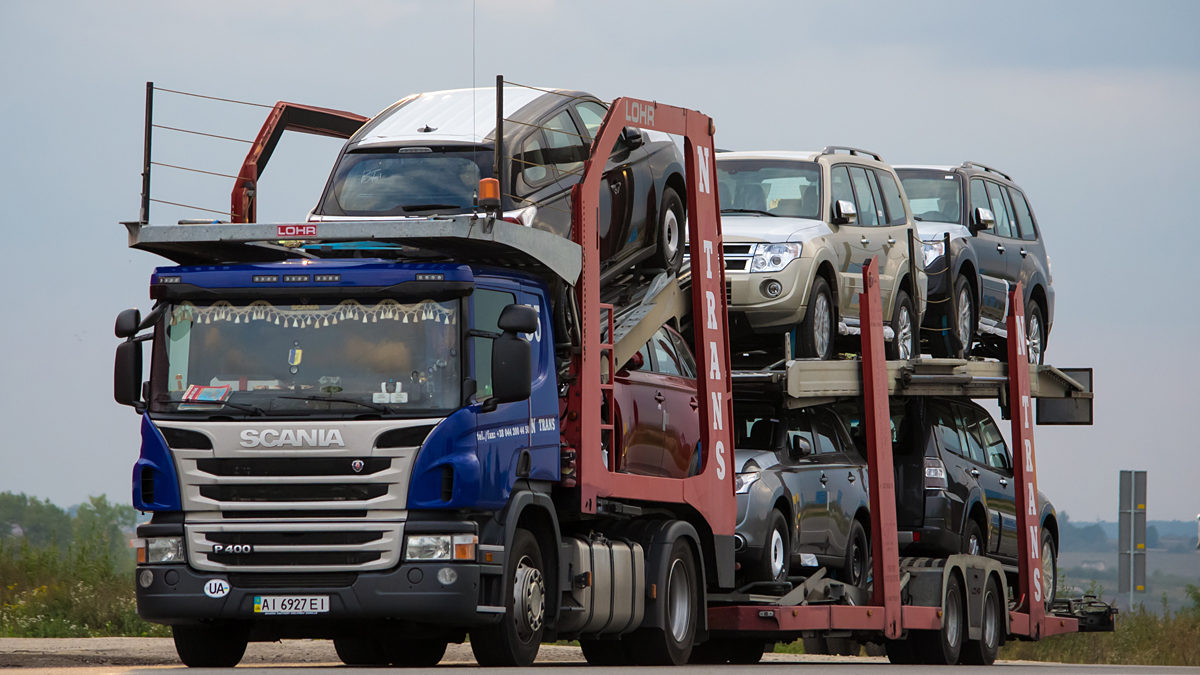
(332,442)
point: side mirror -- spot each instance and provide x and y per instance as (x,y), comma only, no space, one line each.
(512,357)
(518,319)
(632,137)
(982,219)
(844,212)
(636,362)
(127,373)
(128,323)
(799,448)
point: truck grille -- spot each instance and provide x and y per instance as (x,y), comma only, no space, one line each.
(292,493)
(294,547)
(293,466)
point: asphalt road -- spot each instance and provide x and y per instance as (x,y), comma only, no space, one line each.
(151,655)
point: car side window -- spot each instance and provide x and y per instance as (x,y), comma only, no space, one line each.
(865,203)
(825,433)
(1003,227)
(666,361)
(839,186)
(565,146)
(685,354)
(994,446)
(486,306)
(592,114)
(1024,216)
(941,420)
(891,198)
(972,425)
(979,198)
(799,426)
(531,162)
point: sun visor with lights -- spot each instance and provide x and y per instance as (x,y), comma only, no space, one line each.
(376,279)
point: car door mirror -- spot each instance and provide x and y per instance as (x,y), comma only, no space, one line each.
(635,362)
(844,212)
(632,137)
(799,448)
(982,219)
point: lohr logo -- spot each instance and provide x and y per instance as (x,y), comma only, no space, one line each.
(296,438)
(295,230)
(639,113)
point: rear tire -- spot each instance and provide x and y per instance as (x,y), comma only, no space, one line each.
(515,640)
(668,253)
(816,337)
(678,610)
(982,652)
(1035,332)
(904,343)
(210,646)
(943,647)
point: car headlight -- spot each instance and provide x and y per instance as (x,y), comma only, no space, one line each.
(743,481)
(440,547)
(162,550)
(773,257)
(933,250)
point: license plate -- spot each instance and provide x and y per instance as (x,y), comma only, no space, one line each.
(291,604)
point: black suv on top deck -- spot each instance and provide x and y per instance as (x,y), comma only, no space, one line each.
(995,241)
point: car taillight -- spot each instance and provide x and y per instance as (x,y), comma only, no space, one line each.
(935,474)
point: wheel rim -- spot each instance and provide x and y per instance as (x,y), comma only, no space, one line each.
(670,234)
(778,555)
(679,600)
(965,313)
(529,593)
(1034,337)
(904,333)
(953,622)
(858,563)
(1048,573)
(973,544)
(822,325)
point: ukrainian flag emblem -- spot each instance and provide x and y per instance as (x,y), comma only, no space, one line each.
(295,356)
(257,604)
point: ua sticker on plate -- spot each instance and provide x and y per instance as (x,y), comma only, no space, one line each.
(216,588)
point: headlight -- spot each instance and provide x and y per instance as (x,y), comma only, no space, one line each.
(440,547)
(773,257)
(162,550)
(933,250)
(743,481)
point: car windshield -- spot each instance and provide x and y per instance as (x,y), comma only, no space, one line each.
(770,186)
(267,358)
(407,181)
(933,195)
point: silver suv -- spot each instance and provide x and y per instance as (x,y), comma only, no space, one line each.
(798,227)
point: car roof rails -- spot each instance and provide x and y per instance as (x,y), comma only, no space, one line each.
(968,164)
(831,149)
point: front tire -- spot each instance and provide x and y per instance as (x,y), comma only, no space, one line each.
(515,640)
(1049,569)
(669,246)
(973,541)
(857,566)
(775,563)
(210,646)
(960,324)
(817,328)
(904,341)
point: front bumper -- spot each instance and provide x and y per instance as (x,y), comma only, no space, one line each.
(745,295)
(409,592)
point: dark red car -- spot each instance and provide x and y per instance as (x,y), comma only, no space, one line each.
(657,430)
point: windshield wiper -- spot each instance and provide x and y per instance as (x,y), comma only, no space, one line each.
(252,409)
(426,207)
(372,406)
(761,213)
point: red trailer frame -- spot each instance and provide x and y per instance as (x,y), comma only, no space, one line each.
(711,491)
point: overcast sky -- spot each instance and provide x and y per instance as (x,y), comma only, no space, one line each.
(1093,108)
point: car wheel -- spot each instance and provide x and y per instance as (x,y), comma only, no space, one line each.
(515,640)
(817,327)
(973,542)
(1049,569)
(669,252)
(679,613)
(1035,332)
(982,652)
(943,647)
(209,645)
(775,563)
(857,569)
(904,345)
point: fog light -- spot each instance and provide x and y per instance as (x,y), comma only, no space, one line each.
(447,576)
(771,288)
(145,578)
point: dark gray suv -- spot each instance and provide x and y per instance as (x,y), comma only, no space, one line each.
(995,241)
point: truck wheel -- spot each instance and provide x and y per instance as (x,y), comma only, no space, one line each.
(982,652)
(360,651)
(904,345)
(515,640)
(942,647)
(678,608)
(817,327)
(1049,569)
(774,565)
(604,652)
(669,252)
(210,646)
(900,651)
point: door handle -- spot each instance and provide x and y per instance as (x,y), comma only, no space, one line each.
(1000,248)
(864,240)
(891,240)
(974,473)
(658,396)
(694,403)
(1024,253)
(824,478)
(1004,482)
(850,477)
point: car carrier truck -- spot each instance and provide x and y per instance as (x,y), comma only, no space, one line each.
(473,492)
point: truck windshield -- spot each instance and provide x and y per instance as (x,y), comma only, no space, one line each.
(406,181)
(770,187)
(267,358)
